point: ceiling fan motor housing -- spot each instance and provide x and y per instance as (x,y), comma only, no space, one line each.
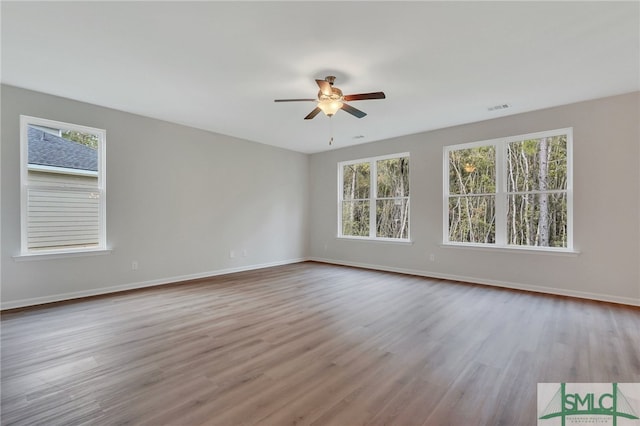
(336,95)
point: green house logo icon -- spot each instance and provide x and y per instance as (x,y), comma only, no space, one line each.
(585,403)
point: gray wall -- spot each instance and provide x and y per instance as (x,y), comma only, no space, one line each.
(178,200)
(606,206)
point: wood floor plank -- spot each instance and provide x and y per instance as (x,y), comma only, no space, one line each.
(311,344)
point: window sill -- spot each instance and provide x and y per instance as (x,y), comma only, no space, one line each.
(515,249)
(377,240)
(60,254)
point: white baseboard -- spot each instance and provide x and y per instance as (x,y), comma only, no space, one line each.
(172,280)
(133,286)
(516,286)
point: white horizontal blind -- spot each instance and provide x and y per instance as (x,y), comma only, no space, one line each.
(60,217)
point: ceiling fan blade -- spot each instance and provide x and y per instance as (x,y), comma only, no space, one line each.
(353,111)
(325,87)
(293,100)
(365,96)
(312,114)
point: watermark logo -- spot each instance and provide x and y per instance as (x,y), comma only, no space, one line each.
(577,404)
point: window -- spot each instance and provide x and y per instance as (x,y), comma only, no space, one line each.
(373,198)
(62,187)
(512,192)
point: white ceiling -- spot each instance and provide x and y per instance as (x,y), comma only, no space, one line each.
(219,65)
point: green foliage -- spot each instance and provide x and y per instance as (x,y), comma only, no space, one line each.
(355,218)
(356,181)
(523,164)
(87,139)
(392,198)
(523,220)
(472,171)
(472,219)
(392,206)
(393,177)
(472,179)
(392,218)
(536,202)
(537,212)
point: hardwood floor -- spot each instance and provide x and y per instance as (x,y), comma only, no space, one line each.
(308,343)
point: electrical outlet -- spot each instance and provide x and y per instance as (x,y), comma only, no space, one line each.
(134,265)
(232,254)
(244,253)
(432,257)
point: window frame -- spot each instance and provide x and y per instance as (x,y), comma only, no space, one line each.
(502,192)
(373,198)
(101,247)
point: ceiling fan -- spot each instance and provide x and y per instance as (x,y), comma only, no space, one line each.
(330,99)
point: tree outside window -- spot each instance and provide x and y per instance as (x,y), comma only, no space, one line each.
(374,198)
(510,192)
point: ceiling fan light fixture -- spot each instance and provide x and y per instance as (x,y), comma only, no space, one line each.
(330,106)
(331,99)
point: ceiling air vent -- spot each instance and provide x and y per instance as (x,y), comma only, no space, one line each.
(498,107)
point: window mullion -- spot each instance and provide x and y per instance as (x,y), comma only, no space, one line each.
(373,194)
(340,197)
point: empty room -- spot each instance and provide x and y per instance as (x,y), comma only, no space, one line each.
(320,213)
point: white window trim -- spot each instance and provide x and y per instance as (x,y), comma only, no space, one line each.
(25,120)
(373,190)
(376,240)
(501,194)
(61,253)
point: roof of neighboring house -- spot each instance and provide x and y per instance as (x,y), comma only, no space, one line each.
(50,150)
